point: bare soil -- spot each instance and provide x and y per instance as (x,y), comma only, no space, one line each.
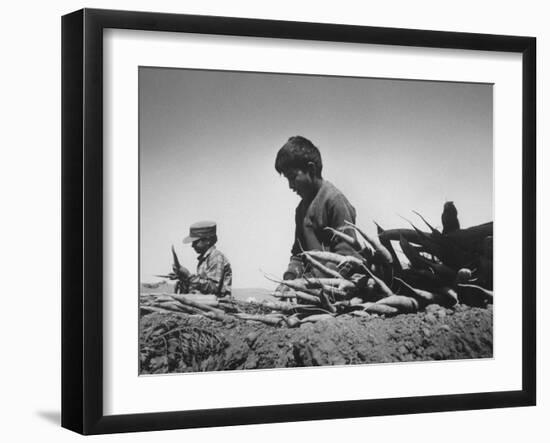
(185,343)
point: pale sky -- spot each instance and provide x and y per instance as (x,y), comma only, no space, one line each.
(208,141)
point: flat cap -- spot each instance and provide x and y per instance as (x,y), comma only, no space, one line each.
(200,230)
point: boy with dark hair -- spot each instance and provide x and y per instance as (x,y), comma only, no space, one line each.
(322,204)
(214,273)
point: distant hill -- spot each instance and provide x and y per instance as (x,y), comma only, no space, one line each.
(167,286)
(158,287)
(259,294)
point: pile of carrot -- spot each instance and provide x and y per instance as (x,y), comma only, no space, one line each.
(438,268)
(443,269)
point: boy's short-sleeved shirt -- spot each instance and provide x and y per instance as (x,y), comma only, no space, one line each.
(329,208)
(214,275)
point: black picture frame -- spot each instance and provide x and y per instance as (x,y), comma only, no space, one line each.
(82,220)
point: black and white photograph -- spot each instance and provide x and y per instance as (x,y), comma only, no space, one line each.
(267,221)
(291,220)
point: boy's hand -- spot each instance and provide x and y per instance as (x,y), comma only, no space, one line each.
(283,289)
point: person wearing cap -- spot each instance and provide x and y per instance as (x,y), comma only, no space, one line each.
(214,273)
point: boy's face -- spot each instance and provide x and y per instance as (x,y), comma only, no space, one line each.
(299,181)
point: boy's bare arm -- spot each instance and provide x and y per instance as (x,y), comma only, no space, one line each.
(295,265)
(340,212)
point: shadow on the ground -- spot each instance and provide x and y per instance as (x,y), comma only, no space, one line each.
(54,417)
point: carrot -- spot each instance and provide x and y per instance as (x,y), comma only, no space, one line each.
(412,254)
(359,313)
(321,267)
(454,250)
(435,232)
(172,306)
(311,310)
(335,292)
(446,297)
(382,252)
(423,297)
(292,321)
(195,304)
(340,283)
(424,239)
(171,276)
(386,242)
(470,237)
(219,316)
(355,301)
(346,285)
(333,257)
(376,308)
(484,291)
(403,303)
(463,275)
(317,317)
(269,320)
(394,234)
(162,310)
(175,258)
(308,297)
(325,302)
(379,282)
(325,256)
(371,284)
(345,237)
(297,285)
(156,297)
(279,306)
(203,309)
(379,229)
(444,271)
(205,299)
(338,291)
(418,261)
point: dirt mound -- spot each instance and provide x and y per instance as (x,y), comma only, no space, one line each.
(190,343)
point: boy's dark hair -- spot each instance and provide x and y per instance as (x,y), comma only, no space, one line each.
(296,153)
